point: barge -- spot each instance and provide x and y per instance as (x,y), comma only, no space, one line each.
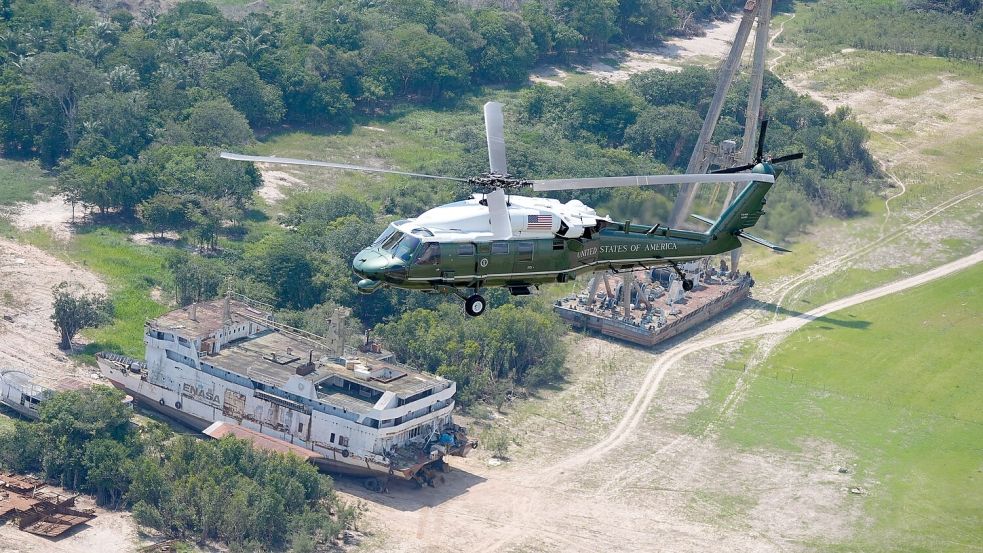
(656,307)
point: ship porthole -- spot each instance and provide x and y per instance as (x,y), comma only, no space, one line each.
(344,453)
(177,404)
(162,401)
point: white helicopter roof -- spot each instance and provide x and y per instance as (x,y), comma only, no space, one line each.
(469,220)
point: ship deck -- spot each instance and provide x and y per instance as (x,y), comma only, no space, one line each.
(272,357)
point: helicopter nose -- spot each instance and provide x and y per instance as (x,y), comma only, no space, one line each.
(370,263)
(377,265)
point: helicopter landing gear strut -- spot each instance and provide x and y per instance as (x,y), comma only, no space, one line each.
(474,304)
(687,283)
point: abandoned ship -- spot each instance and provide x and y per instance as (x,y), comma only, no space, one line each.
(227,366)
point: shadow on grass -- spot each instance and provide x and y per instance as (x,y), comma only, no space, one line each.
(769,307)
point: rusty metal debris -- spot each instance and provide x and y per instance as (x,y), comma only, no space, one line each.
(42,513)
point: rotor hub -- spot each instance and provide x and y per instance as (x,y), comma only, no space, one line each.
(491,181)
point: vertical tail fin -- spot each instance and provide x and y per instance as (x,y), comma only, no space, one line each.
(745,211)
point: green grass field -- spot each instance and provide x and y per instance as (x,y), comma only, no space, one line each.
(131,272)
(901,394)
(21,181)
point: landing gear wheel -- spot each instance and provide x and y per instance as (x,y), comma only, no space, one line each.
(687,284)
(475,305)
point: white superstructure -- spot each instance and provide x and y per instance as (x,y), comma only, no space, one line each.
(228,361)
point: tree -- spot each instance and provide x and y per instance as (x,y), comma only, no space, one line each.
(21,448)
(602,110)
(63,80)
(665,132)
(164,212)
(74,310)
(281,262)
(321,208)
(542,26)
(508,50)
(509,344)
(595,20)
(70,420)
(106,463)
(101,182)
(196,278)
(412,61)
(122,119)
(691,87)
(262,104)
(217,123)
(205,217)
(645,19)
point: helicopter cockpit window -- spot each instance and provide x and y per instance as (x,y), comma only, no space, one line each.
(430,254)
(385,235)
(405,247)
(390,241)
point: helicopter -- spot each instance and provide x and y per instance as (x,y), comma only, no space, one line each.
(498,239)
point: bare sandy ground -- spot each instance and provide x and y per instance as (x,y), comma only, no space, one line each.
(149,238)
(709,48)
(275,182)
(53,214)
(28,340)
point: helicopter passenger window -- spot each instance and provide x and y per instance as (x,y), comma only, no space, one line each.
(500,247)
(430,255)
(405,247)
(525,250)
(558,243)
(465,249)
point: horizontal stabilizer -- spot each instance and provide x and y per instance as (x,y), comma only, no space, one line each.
(702,218)
(762,241)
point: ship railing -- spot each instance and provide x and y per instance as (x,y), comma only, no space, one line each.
(294,332)
(255,304)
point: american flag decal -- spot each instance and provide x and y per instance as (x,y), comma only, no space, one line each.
(539,222)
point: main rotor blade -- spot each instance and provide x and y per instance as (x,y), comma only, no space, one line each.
(612,182)
(761,141)
(495,132)
(737,169)
(291,161)
(789,157)
(498,212)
